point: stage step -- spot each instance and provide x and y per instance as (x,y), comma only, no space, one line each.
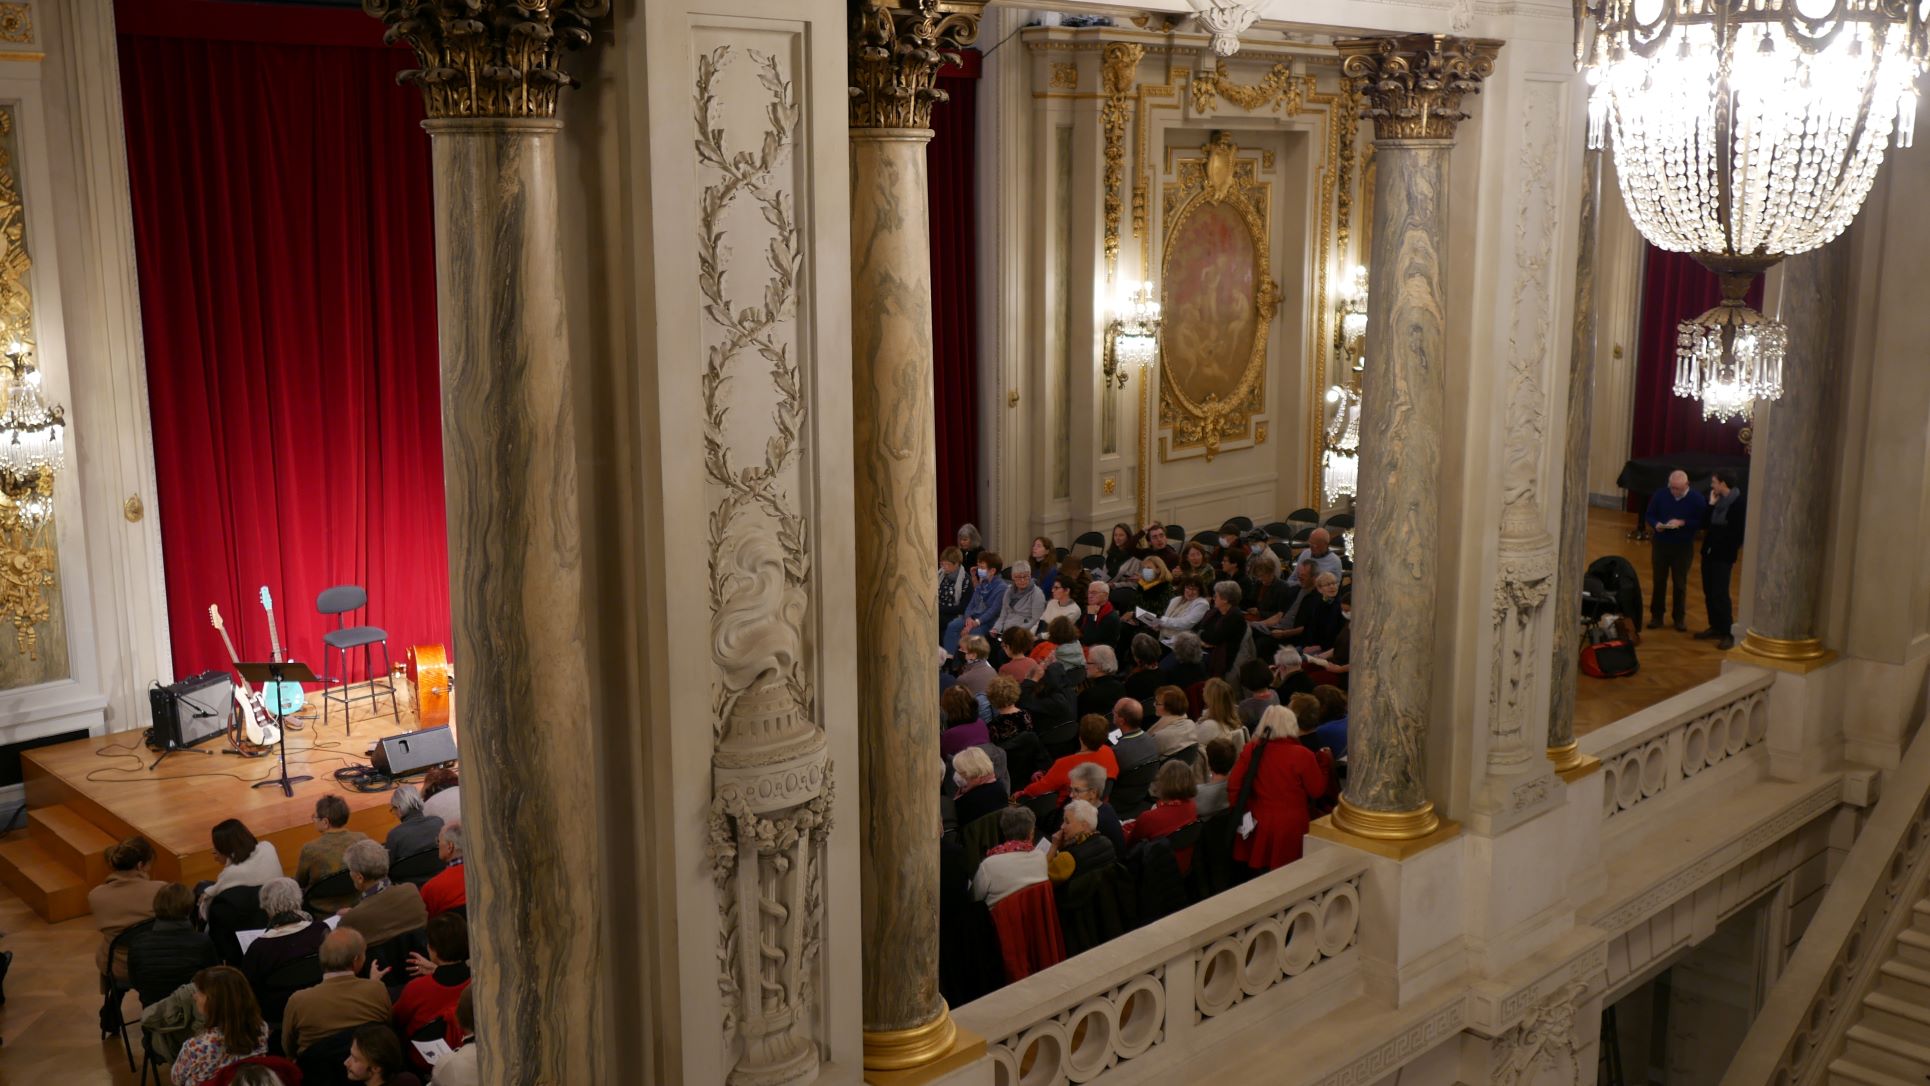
(69,837)
(48,886)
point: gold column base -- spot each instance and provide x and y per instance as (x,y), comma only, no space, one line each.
(1570,763)
(902,1049)
(965,1048)
(1393,834)
(1798,657)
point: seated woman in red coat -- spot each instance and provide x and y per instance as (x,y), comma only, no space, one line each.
(1174,788)
(1289,777)
(439,981)
(1093,747)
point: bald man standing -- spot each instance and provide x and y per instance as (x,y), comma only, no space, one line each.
(1673,516)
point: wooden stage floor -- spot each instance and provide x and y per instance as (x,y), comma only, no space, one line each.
(106,779)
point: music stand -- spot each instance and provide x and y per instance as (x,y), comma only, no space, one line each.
(270,671)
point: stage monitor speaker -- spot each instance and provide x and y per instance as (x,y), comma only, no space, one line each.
(410,752)
(193,710)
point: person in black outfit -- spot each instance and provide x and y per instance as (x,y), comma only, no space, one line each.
(1103,686)
(1674,515)
(170,953)
(1721,547)
(1145,677)
(1220,634)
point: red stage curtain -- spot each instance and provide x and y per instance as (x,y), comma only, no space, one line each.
(953,190)
(287,268)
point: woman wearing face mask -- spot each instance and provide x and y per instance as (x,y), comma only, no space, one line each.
(1332,662)
(1155,585)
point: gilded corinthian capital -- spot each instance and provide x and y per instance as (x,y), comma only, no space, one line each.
(488,58)
(897,47)
(1411,85)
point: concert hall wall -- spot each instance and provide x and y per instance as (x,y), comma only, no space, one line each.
(282,217)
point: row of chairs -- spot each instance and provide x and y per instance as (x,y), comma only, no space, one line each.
(1297,526)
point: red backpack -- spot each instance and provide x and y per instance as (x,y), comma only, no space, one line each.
(1609,659)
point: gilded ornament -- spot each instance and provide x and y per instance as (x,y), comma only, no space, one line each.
(897,48)
(488,58)
(1412,85)
(1065,76)
(1279,90)
(1111,484)
(29,562)
(17,23)
(1118,68)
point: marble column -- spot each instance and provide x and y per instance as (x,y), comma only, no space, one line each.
(1412,87)
(1790,465)
(896,51)
(515,537)
(1573,562)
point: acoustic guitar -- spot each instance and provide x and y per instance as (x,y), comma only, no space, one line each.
(285,698)
(257,726)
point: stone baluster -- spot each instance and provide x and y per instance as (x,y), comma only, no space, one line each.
(491,80)
(1563,750)
(1412,87)
(897,48)
(1790,465)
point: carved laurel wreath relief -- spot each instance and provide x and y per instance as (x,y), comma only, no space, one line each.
(772,787)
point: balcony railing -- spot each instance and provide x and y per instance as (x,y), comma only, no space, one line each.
(1671,743)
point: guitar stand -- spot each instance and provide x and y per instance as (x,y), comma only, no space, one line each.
(279,672)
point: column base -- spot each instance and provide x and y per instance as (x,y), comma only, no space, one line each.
(1396,835)
(906,1049)
(962,1049)
(1798,657)
(1570,763)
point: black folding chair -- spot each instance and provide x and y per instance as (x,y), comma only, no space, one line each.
(282,982)
(1174,531)
(1093,561)
(328,887)
(112,1020)
(1245,524)
(417,867)
(1131,793)
(1304,516)
(1278,529)
(1091,539)
(237,908)
(1340,522)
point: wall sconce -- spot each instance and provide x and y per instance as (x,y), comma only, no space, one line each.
(30,454)
(1340,461)
(1132,336)
(1350,327)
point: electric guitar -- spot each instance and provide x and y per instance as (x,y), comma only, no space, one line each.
(285,698)
(257,726)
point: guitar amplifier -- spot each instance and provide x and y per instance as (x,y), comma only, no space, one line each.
(412,752)
(193,710)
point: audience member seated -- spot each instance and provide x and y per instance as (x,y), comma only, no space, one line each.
(124,900)
(1196,563)
(234,1030)
(414,831)
(1079,846)
(1320,548)
(1187,664)
(375,1057)
(978,673)
(441,797)
(1089,784)
(1289,674)
(1060,631)
(244,860)
(1231,564)
(383,910)
(1174,791)
(1014,863)
(1066,594)
(970,545)
(1273,599)
(1024,603)
(988,598)
(954,587)
(1221,754)
(1256,683)
(440,979)
(1331,663)
(1044,561)
(979,791)
(963,728)
(1322,617)
(1099,626)
(1222,632)
(1331,735)
(1051,692)
(1133,747)
(1186,609)
(1093,748)
(1145,676)
(170,951)
(1008,720)
(1230,533)
(1222,715)
(449,889)
(291,935)
(342,1001)
(1152,543)
(1120,550)
(1173,731)
(1017,643)
(1287,777)
(1155,584)
(322,857)
(1103,688)
(461,1067)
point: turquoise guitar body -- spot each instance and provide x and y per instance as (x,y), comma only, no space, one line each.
(284,699)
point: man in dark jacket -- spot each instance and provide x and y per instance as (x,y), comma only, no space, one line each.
(1721,547)
(1674,514)
(168,954)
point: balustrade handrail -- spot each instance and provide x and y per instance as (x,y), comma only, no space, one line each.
(1312,888)
(1803,1021)
(1639,727)
(1666,745)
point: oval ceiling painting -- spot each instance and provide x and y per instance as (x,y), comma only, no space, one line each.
(1210,311)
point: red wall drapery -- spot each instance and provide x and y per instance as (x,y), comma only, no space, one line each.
(952,188)
(282,224)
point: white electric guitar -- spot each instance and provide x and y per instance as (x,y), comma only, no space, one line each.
(257,727)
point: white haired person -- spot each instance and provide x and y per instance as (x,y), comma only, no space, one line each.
(1013,864)
(291,935)
(1079,847)
(1024,603)
(1273,786)
(415,831)
(383,909)
(450,888)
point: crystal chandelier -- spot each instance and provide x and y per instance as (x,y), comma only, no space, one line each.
(1350,331)
(1132,337)
(1340,461)
(31,452)
(1746,131)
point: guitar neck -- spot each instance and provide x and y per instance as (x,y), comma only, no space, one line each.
(233,656)
(274,638)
